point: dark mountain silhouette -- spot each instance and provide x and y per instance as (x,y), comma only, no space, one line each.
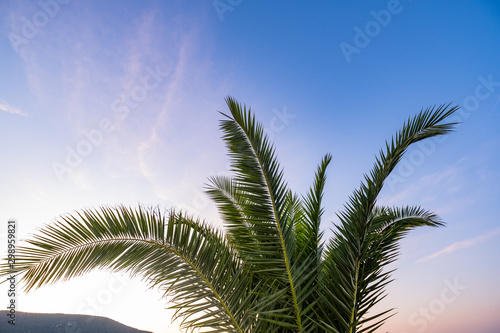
(26,322)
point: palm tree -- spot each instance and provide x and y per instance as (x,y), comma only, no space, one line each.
(269,270)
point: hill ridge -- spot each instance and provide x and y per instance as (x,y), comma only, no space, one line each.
(32,322)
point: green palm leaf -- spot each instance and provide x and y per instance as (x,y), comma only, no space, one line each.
(260,196)
(181,256)
(356,283)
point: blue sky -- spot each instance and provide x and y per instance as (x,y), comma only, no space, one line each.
(116,102)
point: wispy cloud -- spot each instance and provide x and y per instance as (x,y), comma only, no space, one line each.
(430,187)
(462,245)
(4,106)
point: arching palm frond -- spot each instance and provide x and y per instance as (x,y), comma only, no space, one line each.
(259,198)
(181,256)
(355,284)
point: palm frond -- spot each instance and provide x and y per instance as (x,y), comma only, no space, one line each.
(262,198)
(309,248)
(173,252)
(309,235)
(353,276)
(260,187)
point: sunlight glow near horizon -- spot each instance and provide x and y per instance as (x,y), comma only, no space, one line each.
(116,102)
